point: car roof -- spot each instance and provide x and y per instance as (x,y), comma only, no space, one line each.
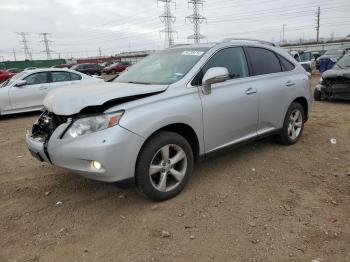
(38,70)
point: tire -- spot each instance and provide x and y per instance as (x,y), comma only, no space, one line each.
(287,135)
(113,72)
(154,153)
(317,95)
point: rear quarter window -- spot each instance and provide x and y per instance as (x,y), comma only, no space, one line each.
(286,65)
(75,77)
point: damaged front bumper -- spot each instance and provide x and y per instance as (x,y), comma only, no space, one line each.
(115,148)
(337,91)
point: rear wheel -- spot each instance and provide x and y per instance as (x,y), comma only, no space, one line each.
(293,125)
(164,166)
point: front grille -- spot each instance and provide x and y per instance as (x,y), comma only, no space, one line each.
(337,81)
(47,124)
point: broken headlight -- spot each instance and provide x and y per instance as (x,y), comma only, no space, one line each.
(92,124)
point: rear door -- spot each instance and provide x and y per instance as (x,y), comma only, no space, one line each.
(275,87)
(60,79)
(230,112)
(31,95)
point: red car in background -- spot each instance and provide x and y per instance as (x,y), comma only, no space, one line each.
(4,75)
(116,68)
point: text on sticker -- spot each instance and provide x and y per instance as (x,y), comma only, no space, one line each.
(196,53)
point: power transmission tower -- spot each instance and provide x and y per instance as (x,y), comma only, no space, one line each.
(46,42)
(196,19)
(318,14)
(14,54)
(168,19)
(100,51)
(283,33)
(24,40)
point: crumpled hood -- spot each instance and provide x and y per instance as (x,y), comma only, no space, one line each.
(336,73)
(71,100)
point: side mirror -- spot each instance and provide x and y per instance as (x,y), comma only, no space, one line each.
(212,76)
(20,83)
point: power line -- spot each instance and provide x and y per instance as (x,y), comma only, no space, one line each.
(196,19)
(318,24)
(168,19)
(24,41)
(46,42)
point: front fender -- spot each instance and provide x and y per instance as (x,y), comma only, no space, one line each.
(147,118)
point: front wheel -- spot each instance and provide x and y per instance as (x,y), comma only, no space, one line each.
(293,125)
(164,166)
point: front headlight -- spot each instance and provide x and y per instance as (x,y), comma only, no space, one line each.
(334,59)
(92,124)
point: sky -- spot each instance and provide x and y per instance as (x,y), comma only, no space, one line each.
(79,28)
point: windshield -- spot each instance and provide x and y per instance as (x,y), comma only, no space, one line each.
(304,57)
(344,62)
(334,52)
(163,68)
(9,82)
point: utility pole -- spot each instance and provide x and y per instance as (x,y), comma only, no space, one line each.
(168,19)
(46,42)
(318,14)
(283,33)
(196,19)
(24,41)
(99,51)
(14,54)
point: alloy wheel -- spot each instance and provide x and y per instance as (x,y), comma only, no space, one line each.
(168,167)
(295,124)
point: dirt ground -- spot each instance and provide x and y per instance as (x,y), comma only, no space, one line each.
(260,202)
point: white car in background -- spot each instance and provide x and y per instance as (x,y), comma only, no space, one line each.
(26,91)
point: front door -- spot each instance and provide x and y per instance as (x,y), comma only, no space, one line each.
(31,95)
(230,112)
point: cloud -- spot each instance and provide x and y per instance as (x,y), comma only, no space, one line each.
(80,27)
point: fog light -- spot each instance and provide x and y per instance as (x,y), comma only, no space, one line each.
(96,165)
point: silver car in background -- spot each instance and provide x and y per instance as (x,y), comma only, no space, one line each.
(172,109)
(25,91)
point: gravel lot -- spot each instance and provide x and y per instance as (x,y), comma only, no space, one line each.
(261,202)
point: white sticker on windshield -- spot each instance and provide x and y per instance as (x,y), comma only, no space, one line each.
(196,53)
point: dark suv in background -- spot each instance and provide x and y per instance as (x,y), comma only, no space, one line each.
(89,69)
(326,61)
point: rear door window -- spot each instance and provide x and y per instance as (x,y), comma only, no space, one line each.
(263,61)
(60,76)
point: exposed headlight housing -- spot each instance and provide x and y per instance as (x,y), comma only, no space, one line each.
(92,124)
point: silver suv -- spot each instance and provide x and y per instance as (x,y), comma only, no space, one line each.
(172,109)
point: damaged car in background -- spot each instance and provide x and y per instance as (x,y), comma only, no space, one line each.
(173,108)
(335,83)
(25,91)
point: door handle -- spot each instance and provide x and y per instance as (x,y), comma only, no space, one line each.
(289,83)
(251,91)
(43,88)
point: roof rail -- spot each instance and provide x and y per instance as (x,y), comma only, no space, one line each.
(178,45)
(248,39)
